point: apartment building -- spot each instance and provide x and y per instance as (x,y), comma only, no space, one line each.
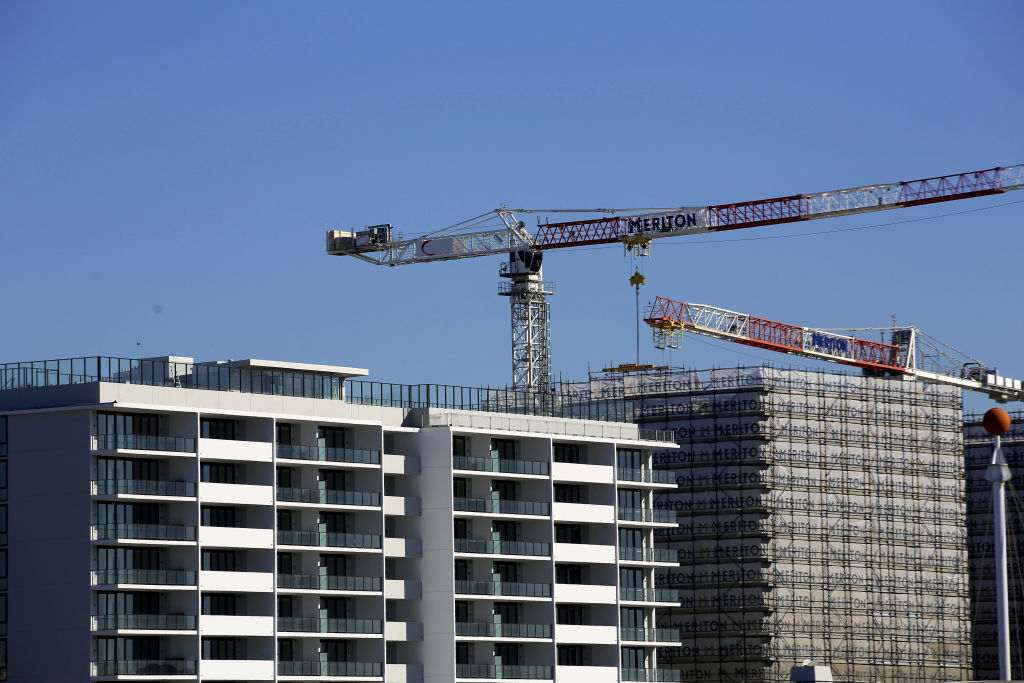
(261,521)
(981,545)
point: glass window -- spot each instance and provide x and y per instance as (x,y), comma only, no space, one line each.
(216,428)
(567,452)
(220,648)
(572,655)
(569,533)
(284,434)
(459,487)
(459,446)
(630,459)
(219,516)
(219,560)
(285,650)
(219,473)
(503,448)
(3,436)
(569,573)
(284,477)
(331,437)
(570,614)
(220,603)
(568,493)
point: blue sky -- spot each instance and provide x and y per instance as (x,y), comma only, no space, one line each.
(168,170)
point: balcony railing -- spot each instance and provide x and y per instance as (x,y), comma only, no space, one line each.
(155,577)
(141,442)
(154,622)
(364,669)
(142,487)
(316,625)
(651,675)
(501,507)
(502,671)
(328,583)
(648,555)
(645,476)
(646,515)
(651,635)
(508,588)
(502,465)
(328,497)
(358,456)
(476,545)
(488,629)
(145,667)
(328,539)
(149,532)
(649,594)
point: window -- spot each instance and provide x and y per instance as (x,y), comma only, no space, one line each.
(285,562)
(567,452)
(3,436)
(127,513)
(285,606)
(126,468)
(219,560)
(631,498)
(221,648)
(573,655)
(333,522)
(634,658)
(571,614)
(461,570)
(332,480)
(503,448)
(220,603)
(334,650)
(462,611)
(285,477)
(217,428)
(569,573)
(507,612)
(283,434)
(219,473)
(460,487)
(462,653)
(128,558)
(631,578)
(461,528)
(568,493)
(630,459)
(506,490)
(331,437)
(285,519)
(219,516)
(569,533)
(333,608)
(631,538)
(505,531)
(333,565)
(632,617)
(115,424)
(506,572)
(285,650)
(119,649)
(508,655)
(459,446)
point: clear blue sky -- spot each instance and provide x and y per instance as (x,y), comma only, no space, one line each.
(168,170)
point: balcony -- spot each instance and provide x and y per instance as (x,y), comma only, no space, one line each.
(477,545)
(139,442)
(651,635)
(645,476)
(487,629)
(328,583)
(326,539)
(143,622)
(142,487)
(506,588)
(309,668)
(145,667)
(328,497)
(649,594)
(652,675)
(355,456)
(317,625)
(502,671)
(648,555)
(154,577)
(647,515)
(501,507)
(502,465)
(147,532)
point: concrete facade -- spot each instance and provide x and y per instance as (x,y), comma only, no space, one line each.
(253,521)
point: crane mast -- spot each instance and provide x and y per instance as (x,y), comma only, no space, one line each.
(910,353)
(527,292)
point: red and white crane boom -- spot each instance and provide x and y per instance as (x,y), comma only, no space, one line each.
(910,352)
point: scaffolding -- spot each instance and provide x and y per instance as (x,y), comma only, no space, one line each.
(981,550)
(821,516)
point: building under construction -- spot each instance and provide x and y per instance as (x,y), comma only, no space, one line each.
(821,517)
(980,548)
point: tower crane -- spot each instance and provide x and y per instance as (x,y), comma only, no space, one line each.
(528,292)
(909,352)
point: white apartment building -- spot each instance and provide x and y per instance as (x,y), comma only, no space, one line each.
(166,520)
